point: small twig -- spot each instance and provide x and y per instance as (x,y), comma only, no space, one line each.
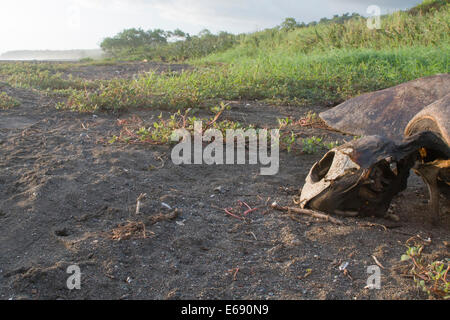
(446,272)
(371,224)
(250,210)
(294,199)
(253,235)
(184,117)
(306,275)
(308,212)
(162,162)
(377,262)
(232,214)
(152,167)
(236,270)
(347,273)
(222,109)
(143,230)
(139,202)
(163,217)
(245,204)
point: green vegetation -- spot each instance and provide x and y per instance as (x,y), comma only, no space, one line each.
(424,25)
(430,277)
(321,63)
(326,78)
(289,140)
(45,80)
(310,145)
(134,131)
(428,6)
(44,76)
(157,44)
(7,102)
(400,29)
(137,44)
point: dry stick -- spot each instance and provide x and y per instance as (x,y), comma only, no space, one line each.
(257,240)
(162,163)
(232,214)
(139,202)
(371,224)
(143,230)
(243,203)
(236,270)
(222,109)
(250,210)
(377,262)
(308,212)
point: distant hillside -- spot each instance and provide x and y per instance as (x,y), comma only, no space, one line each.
(423,25)
(52,54)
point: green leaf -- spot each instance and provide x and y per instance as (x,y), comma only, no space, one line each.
(405,257)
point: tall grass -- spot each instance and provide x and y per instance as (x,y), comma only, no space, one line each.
(399,29)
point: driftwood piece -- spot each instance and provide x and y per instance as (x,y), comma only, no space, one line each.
(308,212)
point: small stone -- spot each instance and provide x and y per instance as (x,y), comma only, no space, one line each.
(166,205)
(343,266)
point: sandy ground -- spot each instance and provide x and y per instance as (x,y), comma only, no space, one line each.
(67,198)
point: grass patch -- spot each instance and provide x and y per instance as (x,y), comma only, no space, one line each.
(429,276)
(134,130)
(280,78)
(7,102)
(290,142)
(44,80)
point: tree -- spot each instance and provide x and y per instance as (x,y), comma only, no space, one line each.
(178,35)
(204,33)
(289,24)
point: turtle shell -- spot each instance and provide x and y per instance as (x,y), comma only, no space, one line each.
(387,112)
(435,118)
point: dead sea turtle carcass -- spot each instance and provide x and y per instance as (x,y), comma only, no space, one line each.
(405,127)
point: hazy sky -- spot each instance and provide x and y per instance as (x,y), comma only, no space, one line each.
(82,24)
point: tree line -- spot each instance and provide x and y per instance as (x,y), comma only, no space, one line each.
(177,45)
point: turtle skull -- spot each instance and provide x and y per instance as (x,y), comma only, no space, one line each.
(360,177)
